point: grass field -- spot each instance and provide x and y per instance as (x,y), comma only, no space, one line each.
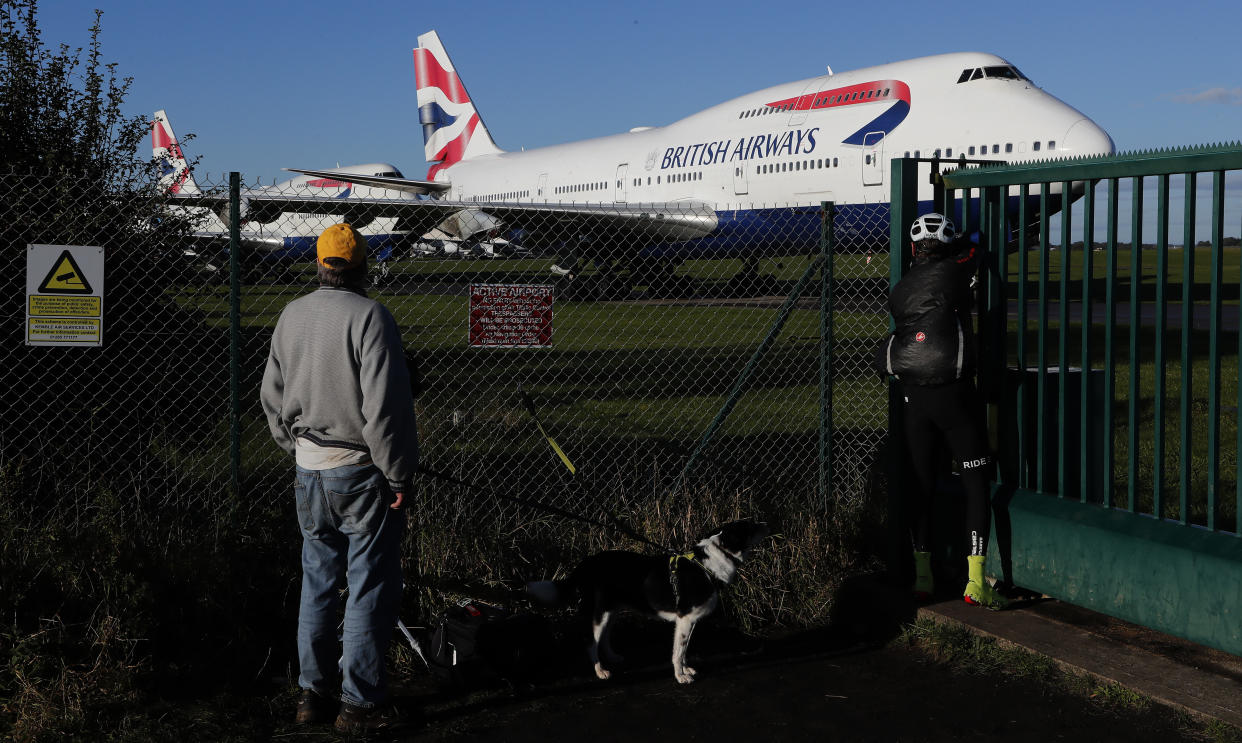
(629,387)
(1201,259)
(660,370)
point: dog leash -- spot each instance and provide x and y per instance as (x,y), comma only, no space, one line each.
(530,408)
(613,522)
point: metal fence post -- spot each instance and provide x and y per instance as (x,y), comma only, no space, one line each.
(235,331)
(826,236)
(743,378)
(904,207)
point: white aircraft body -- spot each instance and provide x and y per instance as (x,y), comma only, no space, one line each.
(744,177)
(272,234)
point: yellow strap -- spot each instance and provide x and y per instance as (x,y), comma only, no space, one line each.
(683,556)
(557,449)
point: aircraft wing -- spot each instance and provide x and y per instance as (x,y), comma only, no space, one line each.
(379,181)
(663,222)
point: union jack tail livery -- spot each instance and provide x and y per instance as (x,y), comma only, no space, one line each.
(175,176)
(452,129)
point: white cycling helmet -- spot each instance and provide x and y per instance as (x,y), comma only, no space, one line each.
(933,227)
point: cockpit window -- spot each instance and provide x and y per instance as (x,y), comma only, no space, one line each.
(389,174)
(1004,72)
(1009,73)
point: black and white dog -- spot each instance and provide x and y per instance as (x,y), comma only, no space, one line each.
(681,589)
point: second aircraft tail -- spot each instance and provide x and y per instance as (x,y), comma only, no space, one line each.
(175,175)
(452,128)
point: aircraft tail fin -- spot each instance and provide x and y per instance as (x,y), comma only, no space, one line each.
(175,177)
(452,128)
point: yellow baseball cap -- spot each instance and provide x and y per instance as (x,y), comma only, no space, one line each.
(344,242)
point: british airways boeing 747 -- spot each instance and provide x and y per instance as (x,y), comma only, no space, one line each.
(692,188)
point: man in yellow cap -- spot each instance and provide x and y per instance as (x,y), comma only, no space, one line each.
(336,393)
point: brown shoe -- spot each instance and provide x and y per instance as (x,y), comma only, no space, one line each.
(314,708)
(355,719)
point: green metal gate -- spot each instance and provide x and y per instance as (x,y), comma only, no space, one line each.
(1111,372)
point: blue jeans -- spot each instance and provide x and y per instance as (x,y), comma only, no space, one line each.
(350,536)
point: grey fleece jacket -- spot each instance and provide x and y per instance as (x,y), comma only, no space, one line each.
(336,375)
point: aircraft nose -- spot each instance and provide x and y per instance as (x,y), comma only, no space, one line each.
(1085,137)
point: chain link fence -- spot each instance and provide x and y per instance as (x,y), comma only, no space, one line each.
(648,353)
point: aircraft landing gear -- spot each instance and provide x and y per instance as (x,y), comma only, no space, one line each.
(383,273)
(657,274)
(745,282)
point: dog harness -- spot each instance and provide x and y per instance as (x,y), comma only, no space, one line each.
(672,574)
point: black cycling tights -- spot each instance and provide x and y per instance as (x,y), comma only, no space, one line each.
(951,414)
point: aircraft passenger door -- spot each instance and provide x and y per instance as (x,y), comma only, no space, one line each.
(622,174)
(873,157)
(806,101)
(543,185)
(740,185)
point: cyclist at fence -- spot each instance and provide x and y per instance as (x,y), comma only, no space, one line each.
(336,392)
(931,352)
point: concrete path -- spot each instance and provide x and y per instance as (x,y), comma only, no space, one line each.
(1200,681)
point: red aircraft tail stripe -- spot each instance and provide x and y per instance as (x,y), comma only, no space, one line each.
(429,74)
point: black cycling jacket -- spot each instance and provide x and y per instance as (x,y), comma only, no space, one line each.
(933,342)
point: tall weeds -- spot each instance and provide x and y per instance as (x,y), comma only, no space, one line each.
(132,622)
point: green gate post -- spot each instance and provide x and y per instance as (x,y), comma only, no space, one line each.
(235,331)
(1216,302)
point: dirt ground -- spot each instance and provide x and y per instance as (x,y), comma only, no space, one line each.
(832,687)
(886,694)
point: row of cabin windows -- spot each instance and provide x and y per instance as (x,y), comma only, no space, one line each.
(827,162)
(672,178)
(582,187)
(850,97)
(764,111)
(789,167)
(507,196)
(983,150)
(821,102)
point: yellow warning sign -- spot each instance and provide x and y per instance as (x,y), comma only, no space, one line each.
(63,330)
(64,295)
(65,277)
(52,305)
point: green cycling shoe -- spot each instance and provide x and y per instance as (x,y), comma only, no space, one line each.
(978,592)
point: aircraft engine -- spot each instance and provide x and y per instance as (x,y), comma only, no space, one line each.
(250,213)
(260,213)
(470,222)
(359,219)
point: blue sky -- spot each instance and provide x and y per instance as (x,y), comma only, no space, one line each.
(265,85)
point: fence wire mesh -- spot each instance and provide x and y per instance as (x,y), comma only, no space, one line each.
(646,349)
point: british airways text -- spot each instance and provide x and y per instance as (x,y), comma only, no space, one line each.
(796,142)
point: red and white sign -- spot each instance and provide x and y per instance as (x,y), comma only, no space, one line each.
(510,315)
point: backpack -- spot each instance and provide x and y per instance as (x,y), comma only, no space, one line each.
(473,643)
